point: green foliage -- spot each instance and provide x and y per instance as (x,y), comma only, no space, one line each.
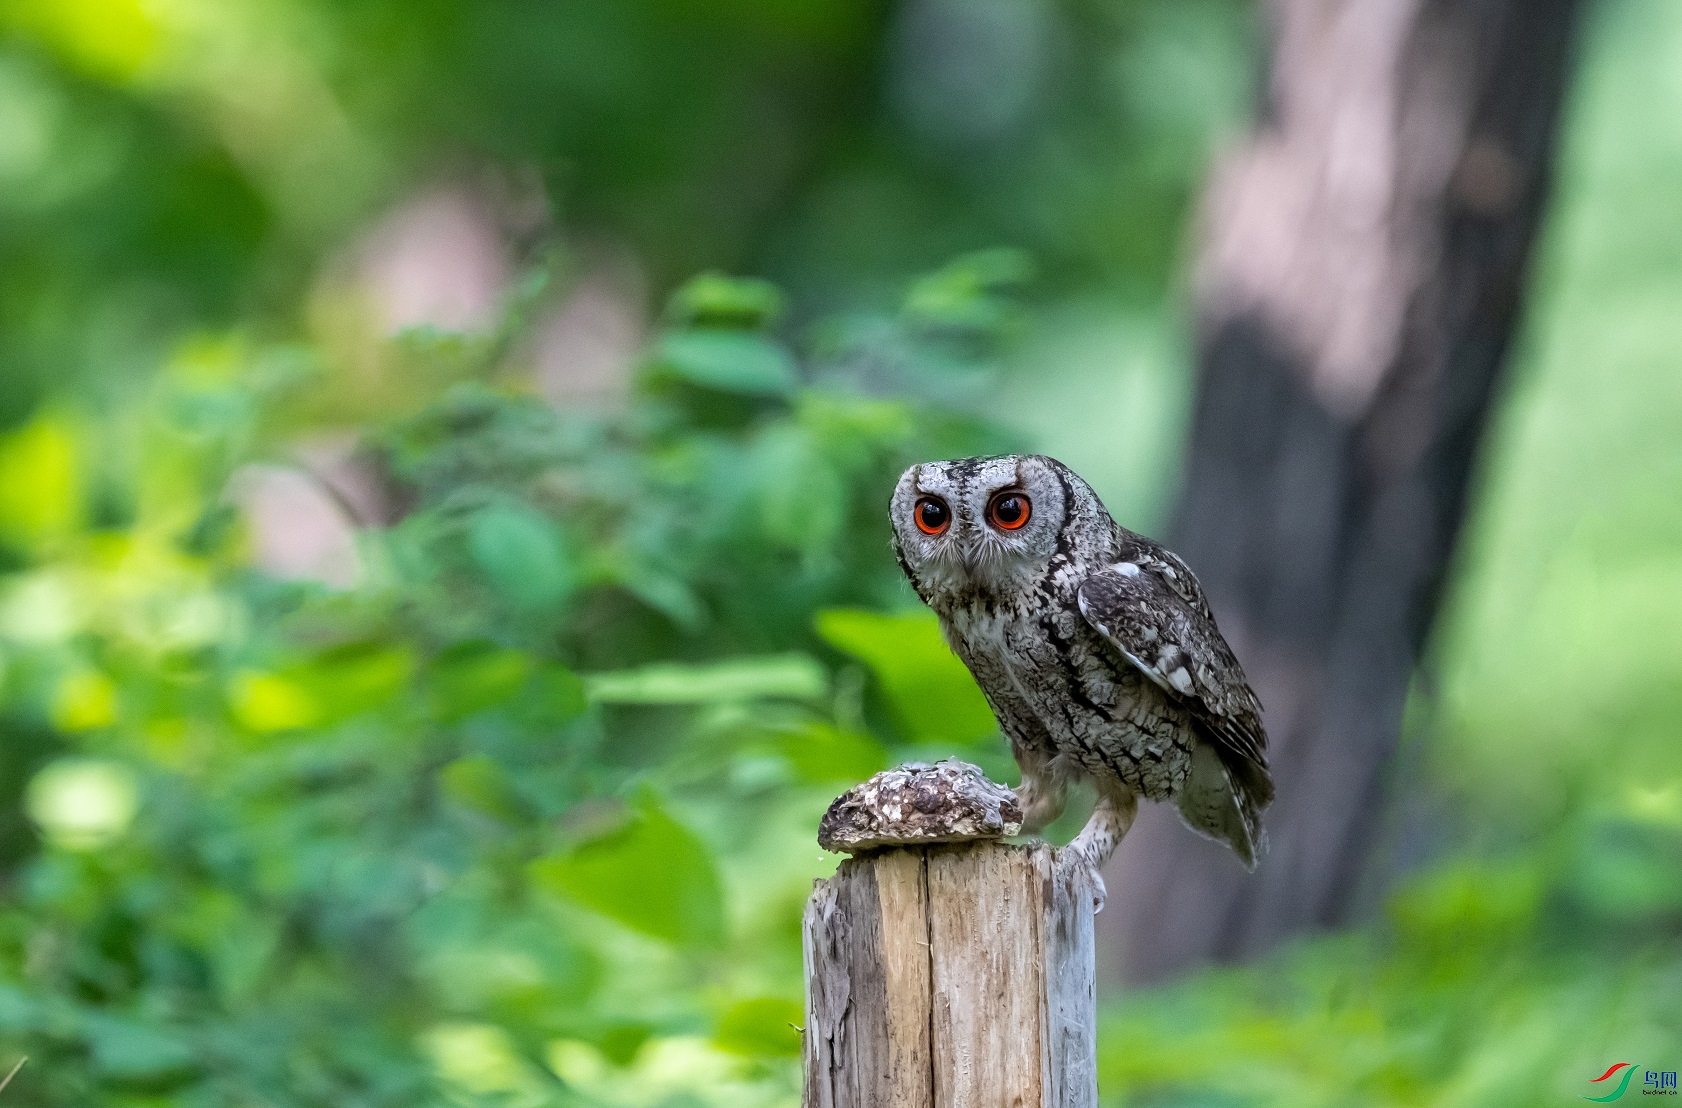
(714,300)
(1483,983)
(732,361)
(475,825)
(765,1026)
(519,551)
(822,754)
(789,676)
(972,293)
(650,874)
(933,696)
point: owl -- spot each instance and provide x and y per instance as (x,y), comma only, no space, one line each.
(1094,646)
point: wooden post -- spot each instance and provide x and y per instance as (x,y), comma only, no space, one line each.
(957,975)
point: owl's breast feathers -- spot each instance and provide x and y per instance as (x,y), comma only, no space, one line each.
(1060,690)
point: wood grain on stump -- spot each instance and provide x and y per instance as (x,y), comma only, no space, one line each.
(957,975)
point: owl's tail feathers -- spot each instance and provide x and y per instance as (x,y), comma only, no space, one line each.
(1252,789)
(1224,800)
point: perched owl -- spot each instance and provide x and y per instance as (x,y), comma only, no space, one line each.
(1094,646)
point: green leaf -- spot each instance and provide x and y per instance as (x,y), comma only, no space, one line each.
(650,874)
(356,677)
(932,694)
(668,595)
(822,754)
(782,676)
(482,784)
(265,702)
(1467,901)
(762,1026)
(851,430)
(730,361)
(712,299)
(472,676)
(620,1042)
(477,955)
(136,1053)
(967,293)
(18,1010)
(1625,871)
(802,497)
(519,551)
(555,696)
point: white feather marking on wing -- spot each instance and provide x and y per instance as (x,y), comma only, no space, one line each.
(1138,663)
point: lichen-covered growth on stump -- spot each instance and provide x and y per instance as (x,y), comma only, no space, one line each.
(917,804)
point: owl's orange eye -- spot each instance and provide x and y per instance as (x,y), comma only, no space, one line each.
(933,516)
(1009,510)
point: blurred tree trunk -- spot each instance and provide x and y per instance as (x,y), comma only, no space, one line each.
(1362,264)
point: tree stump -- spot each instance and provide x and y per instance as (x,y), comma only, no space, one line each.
(946,969)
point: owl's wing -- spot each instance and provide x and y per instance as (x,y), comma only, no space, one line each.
(1151,609)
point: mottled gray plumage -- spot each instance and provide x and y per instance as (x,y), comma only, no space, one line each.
(1094,646)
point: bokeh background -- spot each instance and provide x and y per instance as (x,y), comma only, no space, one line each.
(444,568)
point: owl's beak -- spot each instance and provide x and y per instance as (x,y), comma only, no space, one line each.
(972,551)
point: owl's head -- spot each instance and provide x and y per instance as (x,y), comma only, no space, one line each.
(992,523)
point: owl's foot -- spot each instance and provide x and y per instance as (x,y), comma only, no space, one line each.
(1039,806)
(1100,894)
(1102,834)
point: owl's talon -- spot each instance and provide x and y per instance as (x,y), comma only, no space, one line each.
(1088,868)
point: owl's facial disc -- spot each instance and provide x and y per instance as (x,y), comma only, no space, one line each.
(976,521)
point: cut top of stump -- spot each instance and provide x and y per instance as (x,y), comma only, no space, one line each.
(918,804)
